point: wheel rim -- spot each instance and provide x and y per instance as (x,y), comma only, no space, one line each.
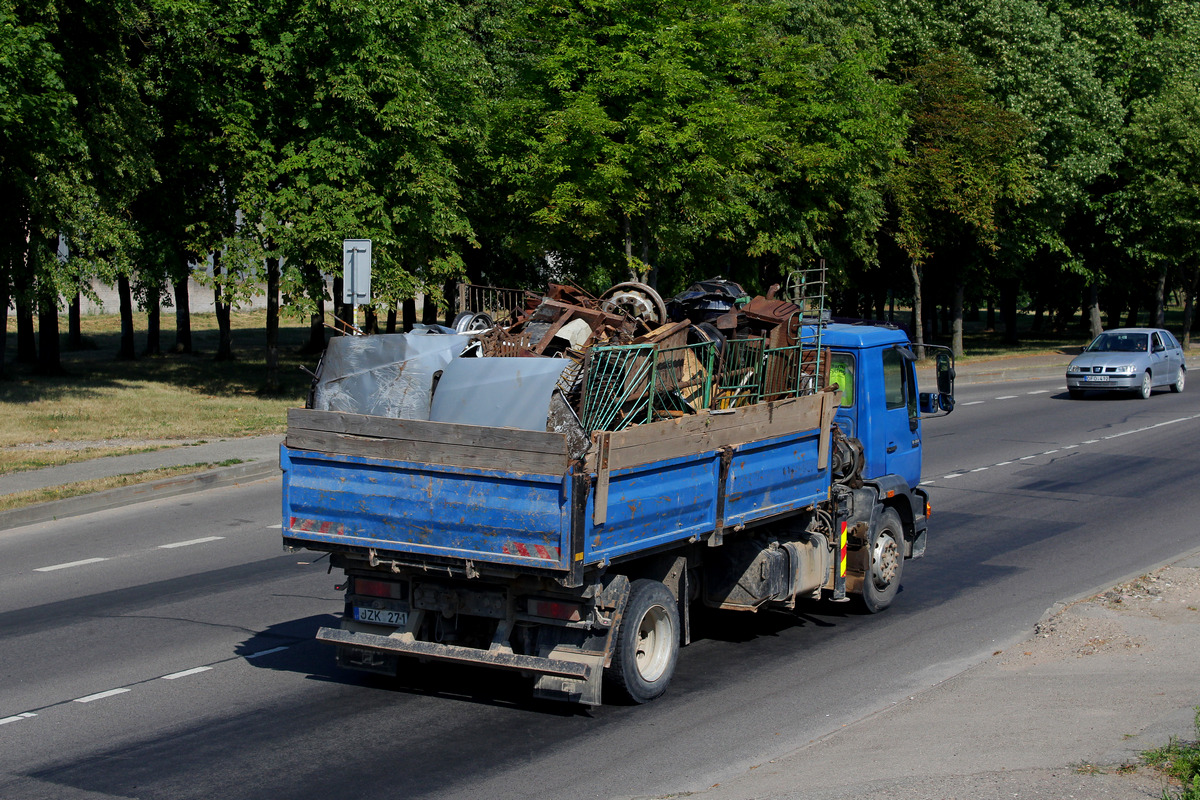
(1146,385)
(1179,381)
(653,644)
(885,560)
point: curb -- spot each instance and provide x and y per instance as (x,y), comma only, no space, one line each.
(138,493)
(1066,603)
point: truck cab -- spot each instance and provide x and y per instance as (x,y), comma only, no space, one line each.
(873,366)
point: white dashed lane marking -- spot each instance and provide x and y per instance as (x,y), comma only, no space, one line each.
(17,718)
(70,564)
(101,695)
(1071,446)
(191,542)
(194,671)
(266,652)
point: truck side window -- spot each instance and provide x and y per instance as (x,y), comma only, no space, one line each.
(893,380)
(841,372)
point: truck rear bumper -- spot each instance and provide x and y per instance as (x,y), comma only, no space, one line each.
(503,659)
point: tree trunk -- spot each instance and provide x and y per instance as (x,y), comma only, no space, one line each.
(183,317)
(316,330)
(1095,328)
(126,351)
(49,360)
(1160,307)
(1008,310)
(1131,319)
(428,311)
(990,324)
(956,325)
(154,321)
(223,311)
(23,298)
(4,301)
(391,318)
(408,314)
(918,327)
(1189,308)
(272,382)
(75,324)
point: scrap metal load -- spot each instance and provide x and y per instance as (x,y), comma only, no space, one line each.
(569,362)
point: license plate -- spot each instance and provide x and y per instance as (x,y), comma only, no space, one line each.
(381,616)
(1096,378)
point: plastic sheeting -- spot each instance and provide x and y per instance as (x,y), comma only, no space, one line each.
(498,392)
(389,375)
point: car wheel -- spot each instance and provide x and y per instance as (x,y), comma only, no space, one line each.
(1180,378)
(1144,391)
(885,554)
(647,646)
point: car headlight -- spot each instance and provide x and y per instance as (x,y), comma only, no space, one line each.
(1076,368)
(1127,369)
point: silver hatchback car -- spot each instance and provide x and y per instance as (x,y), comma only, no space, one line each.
(1128,359)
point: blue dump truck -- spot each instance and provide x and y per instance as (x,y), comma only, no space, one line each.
(578,557)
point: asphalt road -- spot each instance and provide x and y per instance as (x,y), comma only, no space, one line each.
(164,650)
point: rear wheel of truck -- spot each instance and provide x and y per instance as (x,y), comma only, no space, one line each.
(885,551)
(647,646)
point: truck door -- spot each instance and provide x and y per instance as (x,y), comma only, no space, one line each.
(902,421)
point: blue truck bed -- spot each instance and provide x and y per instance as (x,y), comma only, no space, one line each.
(423,492)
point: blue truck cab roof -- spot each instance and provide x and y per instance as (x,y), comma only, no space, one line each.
(838,334)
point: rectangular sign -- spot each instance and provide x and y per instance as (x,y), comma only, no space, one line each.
(356,271)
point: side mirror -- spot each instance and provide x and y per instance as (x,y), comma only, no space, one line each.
(945,374)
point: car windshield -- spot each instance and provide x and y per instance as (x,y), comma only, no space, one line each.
(1118,343)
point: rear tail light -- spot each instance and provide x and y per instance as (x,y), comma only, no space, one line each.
(553,609)
(371,588)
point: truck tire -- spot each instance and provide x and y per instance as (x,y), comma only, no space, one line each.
(885,554)
(647,645)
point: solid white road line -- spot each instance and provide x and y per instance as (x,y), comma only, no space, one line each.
(185,673)
(70,564)
(100,695)
(191,542)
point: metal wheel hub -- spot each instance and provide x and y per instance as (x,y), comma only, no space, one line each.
(885,560)
(653,644)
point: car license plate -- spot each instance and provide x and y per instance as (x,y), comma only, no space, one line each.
(382,616)
(1096,378)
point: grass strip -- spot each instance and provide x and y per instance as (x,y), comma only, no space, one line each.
(1181,761)
(35,496)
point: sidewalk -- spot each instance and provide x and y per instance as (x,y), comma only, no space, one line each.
(1064,714)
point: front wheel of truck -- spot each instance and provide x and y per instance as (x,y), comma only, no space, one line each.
(885,549)
(647,646)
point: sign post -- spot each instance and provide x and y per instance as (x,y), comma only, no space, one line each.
(356,274)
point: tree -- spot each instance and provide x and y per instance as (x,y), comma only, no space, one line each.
(966,157)
(640,141)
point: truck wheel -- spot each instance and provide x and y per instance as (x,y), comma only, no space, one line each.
(885,549)
(647,646)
